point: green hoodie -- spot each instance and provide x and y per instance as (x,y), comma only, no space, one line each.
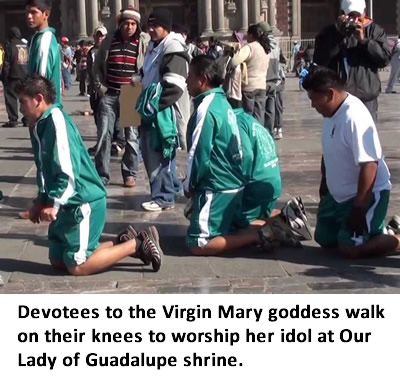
(213,139)
(44,58)
(65,173)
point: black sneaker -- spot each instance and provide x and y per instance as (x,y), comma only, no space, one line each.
(150,250)
(277,233)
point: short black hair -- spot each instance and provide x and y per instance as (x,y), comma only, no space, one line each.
(43,5)
(320,79)
(36,84)
(211,68)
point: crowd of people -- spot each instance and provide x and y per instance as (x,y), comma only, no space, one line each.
(223,105)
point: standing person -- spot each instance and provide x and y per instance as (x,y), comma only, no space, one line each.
(99,35)
(256,54)
(117,63)
(166,64)
(78,57)
(66,62)
(355,186)
(295,52)
(15,68)
(278,133)
(44,52)
(83,69)
(214,50)
(395,69)
(356,48)
(71,196)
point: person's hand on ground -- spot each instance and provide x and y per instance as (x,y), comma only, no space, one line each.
(357,223)
(48,214)
(34,212)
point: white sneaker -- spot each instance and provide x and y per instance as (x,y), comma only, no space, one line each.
(152,206)
(278,134)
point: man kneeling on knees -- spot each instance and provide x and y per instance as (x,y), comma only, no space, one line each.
(217,173)
(355,186)
(71,195)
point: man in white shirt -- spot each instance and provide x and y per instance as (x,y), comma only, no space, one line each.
(355,186)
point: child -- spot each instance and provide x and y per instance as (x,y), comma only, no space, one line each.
(215,174)
(71,194)
(355,186)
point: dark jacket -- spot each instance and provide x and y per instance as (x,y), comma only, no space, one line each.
(15,57)
(364,58)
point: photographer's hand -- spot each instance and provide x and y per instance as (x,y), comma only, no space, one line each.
(360,31)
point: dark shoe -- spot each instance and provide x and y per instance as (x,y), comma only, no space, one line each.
(129,182)
(116,150)
(105,181)
(150,248)
(92,150)
(126,235)
(10,124)
(81,94)
(295,216)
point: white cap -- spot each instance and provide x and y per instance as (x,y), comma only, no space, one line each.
(349,6)
(100,29)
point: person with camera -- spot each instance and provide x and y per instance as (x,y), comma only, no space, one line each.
(356,48)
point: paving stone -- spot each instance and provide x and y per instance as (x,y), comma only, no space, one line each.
(206,290)
(344,285)
(248,290)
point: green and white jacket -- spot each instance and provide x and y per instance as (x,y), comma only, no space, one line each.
(66,175)
(215,151)
(260,159)
(44,58)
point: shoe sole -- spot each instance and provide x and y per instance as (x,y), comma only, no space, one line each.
(156,261)
(157,210)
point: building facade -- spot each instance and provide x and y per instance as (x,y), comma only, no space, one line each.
(291,19)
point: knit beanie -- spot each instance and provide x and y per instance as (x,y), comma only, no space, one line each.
(130,13)
(349,6)
(161,17)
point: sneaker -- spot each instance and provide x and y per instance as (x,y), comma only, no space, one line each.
(152,206)
(116,150)
(126,235)
(277,232)
(150,248)
(129,182)
(278,134)
(10,124)
(295,216)
(393,226)
(92,150)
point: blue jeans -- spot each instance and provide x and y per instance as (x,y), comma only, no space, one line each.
(164,184)
(108,118)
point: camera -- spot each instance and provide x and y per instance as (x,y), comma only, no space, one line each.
(350,27)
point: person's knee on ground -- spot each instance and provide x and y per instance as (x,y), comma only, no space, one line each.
(59,265)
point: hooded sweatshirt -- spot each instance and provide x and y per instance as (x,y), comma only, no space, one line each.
(44,58)
(15,57)
(168,63)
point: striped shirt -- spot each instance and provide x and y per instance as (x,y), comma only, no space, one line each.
(122,63)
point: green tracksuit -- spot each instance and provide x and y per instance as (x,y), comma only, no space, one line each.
(214,168)
(44,58)
(262,170)
(68,181)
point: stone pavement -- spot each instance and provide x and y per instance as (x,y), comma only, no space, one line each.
(23,253)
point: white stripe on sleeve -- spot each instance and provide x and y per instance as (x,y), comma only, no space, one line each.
(200,117)
(44,52)
(64,155)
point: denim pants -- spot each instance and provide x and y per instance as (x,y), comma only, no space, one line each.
(164,184)
(254,104)
(108,118)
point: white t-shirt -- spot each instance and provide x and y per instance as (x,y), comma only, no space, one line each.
(349,138)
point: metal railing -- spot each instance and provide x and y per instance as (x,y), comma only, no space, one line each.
(286,44)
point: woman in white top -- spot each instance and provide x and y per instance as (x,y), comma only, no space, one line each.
(256,56)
